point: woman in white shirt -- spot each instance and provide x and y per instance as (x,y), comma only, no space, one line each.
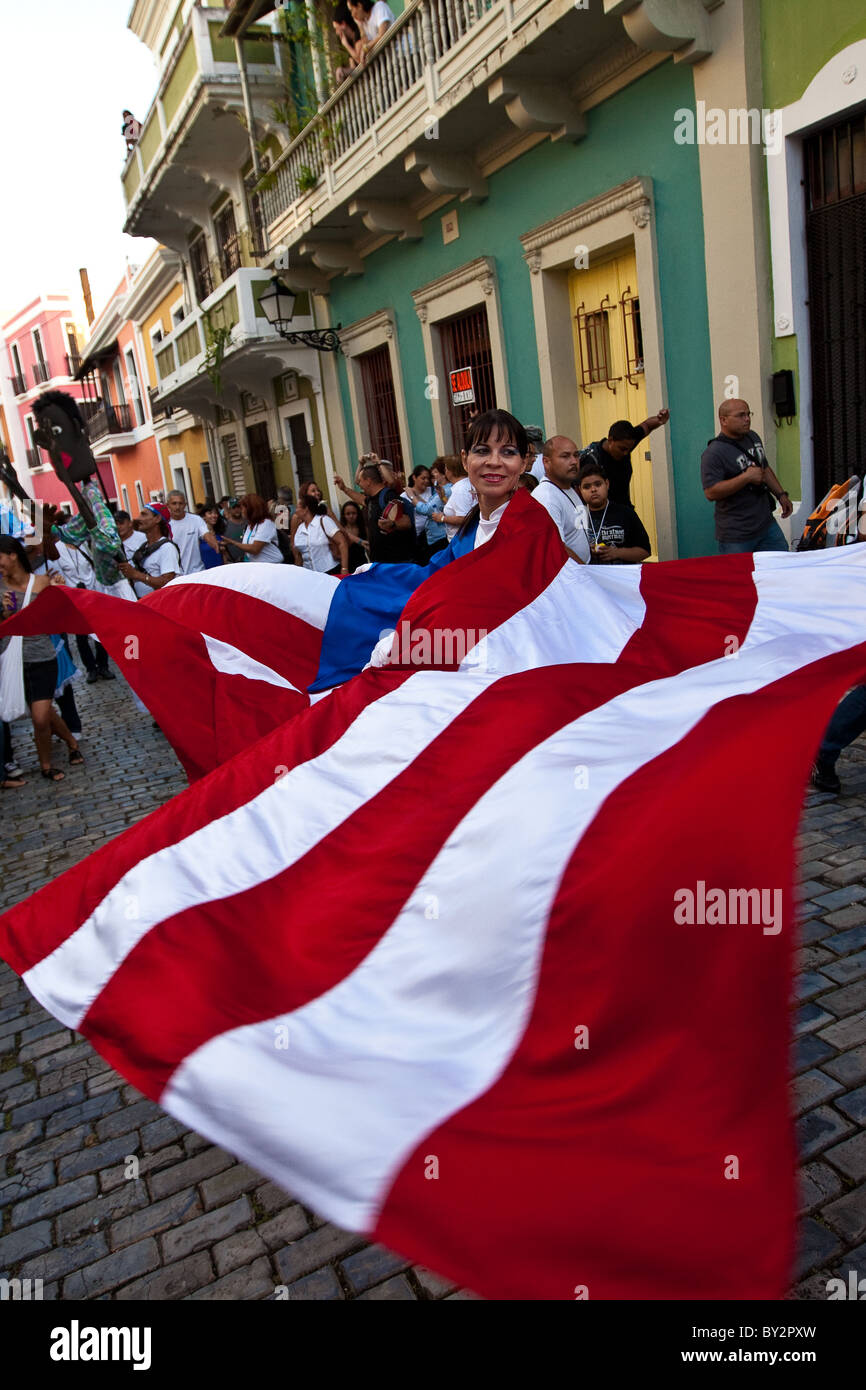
(372,21)
(259,541)
(312,539)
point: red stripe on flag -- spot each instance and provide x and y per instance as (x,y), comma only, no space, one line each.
(619,1149)
(268,634)
(203,971)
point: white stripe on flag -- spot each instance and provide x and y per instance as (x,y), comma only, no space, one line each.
(302,592)
(272,831)
(428,1021)
(231,661)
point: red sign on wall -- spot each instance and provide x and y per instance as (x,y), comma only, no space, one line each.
(462,390)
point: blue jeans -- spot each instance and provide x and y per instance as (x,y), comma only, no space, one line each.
(771,539)
(847,723)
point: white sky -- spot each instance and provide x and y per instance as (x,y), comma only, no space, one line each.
(68,68)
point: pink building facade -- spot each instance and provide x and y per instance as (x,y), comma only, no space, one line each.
(41,352)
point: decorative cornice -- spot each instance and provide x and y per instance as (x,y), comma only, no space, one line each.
(381,322)
(612,63)
(482,271)
(634,197)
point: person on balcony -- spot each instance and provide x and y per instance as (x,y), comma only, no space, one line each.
(372,18)
(131,130)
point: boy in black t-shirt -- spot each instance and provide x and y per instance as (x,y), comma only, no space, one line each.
(615,531)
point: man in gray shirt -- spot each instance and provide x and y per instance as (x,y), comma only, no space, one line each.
(737,478)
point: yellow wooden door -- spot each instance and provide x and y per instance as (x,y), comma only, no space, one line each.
(608,357)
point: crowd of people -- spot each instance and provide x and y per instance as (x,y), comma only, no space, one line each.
(387,518)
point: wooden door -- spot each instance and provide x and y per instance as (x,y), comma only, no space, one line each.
(608,356)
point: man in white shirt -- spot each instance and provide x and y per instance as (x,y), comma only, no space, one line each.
(461,500)
(557,495)
(187,529)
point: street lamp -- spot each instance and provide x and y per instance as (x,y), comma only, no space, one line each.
(278,306)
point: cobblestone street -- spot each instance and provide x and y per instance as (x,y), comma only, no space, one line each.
(198,1224)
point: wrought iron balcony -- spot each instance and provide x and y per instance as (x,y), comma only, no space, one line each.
(19,385)
(34,458)
(110,419)
(41,373)
(73,362)
(158,411)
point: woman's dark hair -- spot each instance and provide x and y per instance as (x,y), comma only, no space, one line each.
(10,546)
(255,507)
(307,503)
(362,525)
(366,5)
(219,525)
(343,15)
(304,489)
(500,423)
(422,468)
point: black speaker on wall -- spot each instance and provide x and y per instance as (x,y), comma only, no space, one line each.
(784,402)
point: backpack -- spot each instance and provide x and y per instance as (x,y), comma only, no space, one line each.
(834,520)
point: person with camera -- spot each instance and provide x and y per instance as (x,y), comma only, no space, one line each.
(315,536)
(736,476)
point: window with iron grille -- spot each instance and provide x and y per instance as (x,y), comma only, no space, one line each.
(202,278)
(465,342)
(381,405)
(835,191)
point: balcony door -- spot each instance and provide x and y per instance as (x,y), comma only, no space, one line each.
(226,232)
(260,460)
(466,344)
(609,365)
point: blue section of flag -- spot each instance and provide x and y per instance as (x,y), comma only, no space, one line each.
(367,605)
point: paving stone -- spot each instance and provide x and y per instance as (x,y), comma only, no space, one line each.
(850,1157)
(371,1266)
(240,1249)
(814,868)
(394,1290)
(815,958)
(54,1264)
(854,1105)
(850,930)
(323,1286)
(809,1051)
(172,1281)
(18,1096)
(846,855)
(819,1128)
(155,1218)
(812,930)
(847,1032)
(160,1131)
(129,1263)
(11,1078)
(194,1170)
(194,1143)
(12,1139)
(49,1149)
(850,1067)
(850,872)
(289,1224)
(204,1230)
(818,1184)
(847,1215)
(269,1198)
(810,1017)
(115,1177)
(809,983)
(433,1284)
(841,897)
(76,1052)
(253,1282)
(225,1186)
(318,1248)
(127,1118)
(53,1200)
(813,1087)
(85,1112)
(854,1261)
(847,969)
(847,1000)
(99,1156)
(28,1241)
(26,1184)
(42,1045)
(816,1245)
(104,1083)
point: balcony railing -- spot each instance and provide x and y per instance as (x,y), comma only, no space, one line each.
(244,250)
(90,408)
(424,32)
(157,410)
(110,419)
(34,458)
(73,362)
(41,373)
(19,385)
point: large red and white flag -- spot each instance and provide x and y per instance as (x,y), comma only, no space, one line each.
(494,963)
